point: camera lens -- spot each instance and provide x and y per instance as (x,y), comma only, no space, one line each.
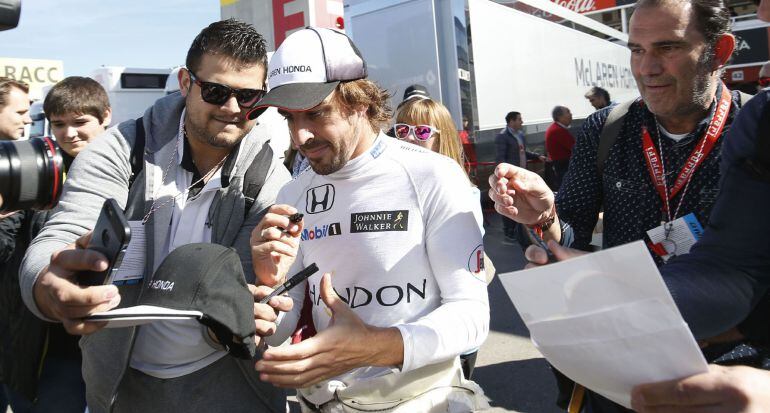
(31,174)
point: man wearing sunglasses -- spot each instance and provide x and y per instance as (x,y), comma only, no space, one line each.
(199,150)
(396,239)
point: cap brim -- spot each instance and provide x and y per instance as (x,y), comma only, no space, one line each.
(294,96)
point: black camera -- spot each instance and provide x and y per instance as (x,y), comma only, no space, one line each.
(10,11)
(31,174)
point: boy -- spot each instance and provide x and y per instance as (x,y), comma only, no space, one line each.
(79,111)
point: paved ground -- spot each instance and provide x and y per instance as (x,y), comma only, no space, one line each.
(509,369)
(513,374)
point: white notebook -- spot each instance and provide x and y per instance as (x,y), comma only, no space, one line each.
(141,314)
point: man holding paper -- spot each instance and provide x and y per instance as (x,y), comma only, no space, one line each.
(719,283)
(742,263)
(659,179)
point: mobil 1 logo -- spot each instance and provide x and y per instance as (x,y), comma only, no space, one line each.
(327,230)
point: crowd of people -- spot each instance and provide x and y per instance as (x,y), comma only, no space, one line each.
(399,308)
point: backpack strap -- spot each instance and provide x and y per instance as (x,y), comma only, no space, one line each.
(745,97)
(610,131)
(255,176)
(137,152)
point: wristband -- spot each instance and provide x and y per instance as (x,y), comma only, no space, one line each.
(544,225)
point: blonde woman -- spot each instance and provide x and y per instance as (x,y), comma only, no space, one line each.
(427,123)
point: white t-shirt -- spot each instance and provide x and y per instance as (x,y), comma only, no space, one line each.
(168,349)
(396,228)
(676,137)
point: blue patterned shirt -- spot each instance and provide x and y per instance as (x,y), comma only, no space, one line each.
(625,191)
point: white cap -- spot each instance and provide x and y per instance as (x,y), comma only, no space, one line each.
(307,67)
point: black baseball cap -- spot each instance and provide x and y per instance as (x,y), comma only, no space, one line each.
(200,281)
(416,91)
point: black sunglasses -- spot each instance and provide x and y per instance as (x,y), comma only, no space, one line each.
(218,94)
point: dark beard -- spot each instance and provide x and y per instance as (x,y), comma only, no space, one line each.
(193,131)
(704,82)
(702,94)
(339,160)
(335,166)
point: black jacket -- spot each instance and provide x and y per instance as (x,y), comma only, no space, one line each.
(25,339)
(507,147)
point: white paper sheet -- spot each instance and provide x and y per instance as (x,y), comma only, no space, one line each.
(606,320)
(132,267)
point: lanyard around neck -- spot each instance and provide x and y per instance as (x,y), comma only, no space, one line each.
(657,169)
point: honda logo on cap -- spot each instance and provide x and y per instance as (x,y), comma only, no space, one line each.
(319,199)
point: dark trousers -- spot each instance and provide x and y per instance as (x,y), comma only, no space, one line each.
(594,403)
(516,231)
(564,385)
(468,363)
(560,169)
(509,227)
(60,389)
(200,391)
(3,398)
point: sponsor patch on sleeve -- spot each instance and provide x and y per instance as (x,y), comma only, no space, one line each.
(476,262)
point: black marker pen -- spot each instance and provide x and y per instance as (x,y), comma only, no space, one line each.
(293,218)
(292,282)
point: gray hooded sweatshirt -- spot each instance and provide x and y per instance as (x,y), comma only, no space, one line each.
(102,171)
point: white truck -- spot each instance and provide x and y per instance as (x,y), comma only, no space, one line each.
(130,90)
(480,58)
(483,59)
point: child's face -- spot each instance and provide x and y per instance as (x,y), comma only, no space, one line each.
(73,131)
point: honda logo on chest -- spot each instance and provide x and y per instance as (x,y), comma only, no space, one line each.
(319,199)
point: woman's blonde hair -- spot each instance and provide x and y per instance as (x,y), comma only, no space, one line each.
(429,112)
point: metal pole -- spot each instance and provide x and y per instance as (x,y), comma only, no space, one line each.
(623,20)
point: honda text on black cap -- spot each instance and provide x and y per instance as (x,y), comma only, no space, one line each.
(197,281)
(307,67)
